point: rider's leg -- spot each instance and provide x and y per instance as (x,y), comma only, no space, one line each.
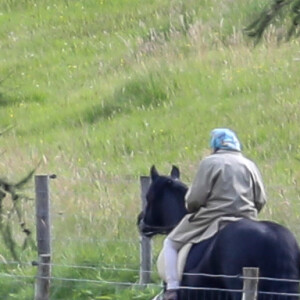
(170,251)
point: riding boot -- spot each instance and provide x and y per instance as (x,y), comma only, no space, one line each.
(170,295)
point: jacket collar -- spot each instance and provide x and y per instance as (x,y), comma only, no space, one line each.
(228,152)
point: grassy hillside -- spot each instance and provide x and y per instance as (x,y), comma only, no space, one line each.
(99,90)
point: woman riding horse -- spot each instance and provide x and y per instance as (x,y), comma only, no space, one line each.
(227,187)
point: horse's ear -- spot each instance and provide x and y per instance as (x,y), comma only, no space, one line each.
(153,172)
(175,173)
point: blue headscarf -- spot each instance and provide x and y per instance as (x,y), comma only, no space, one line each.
(224,139)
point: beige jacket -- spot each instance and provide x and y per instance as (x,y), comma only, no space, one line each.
(227,187)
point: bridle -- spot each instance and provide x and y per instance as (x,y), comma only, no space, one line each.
(152,229)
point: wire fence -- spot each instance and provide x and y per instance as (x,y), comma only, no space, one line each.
(189,292)
(116,268)
(194,293)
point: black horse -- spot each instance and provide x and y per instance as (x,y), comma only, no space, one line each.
(261,244)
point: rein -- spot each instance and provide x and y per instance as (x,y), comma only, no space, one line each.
(156,229)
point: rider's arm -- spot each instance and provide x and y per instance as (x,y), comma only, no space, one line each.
(200,189)
(260,197)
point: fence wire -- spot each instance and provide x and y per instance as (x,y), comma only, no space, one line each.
(193,293)
(134,284)
(116,268)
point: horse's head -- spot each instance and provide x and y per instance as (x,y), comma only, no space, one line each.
(165,205)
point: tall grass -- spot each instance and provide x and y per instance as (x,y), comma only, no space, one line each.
(98,91)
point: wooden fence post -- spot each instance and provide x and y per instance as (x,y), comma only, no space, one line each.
(250,283)
(145,242)
(43,232)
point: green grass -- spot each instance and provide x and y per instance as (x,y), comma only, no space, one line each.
(98,91)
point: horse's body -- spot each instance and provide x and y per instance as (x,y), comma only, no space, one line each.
(266,245)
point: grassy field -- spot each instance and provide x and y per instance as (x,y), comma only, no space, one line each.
(99,90)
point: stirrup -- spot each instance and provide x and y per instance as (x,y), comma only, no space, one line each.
(159,296)
(170,295)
